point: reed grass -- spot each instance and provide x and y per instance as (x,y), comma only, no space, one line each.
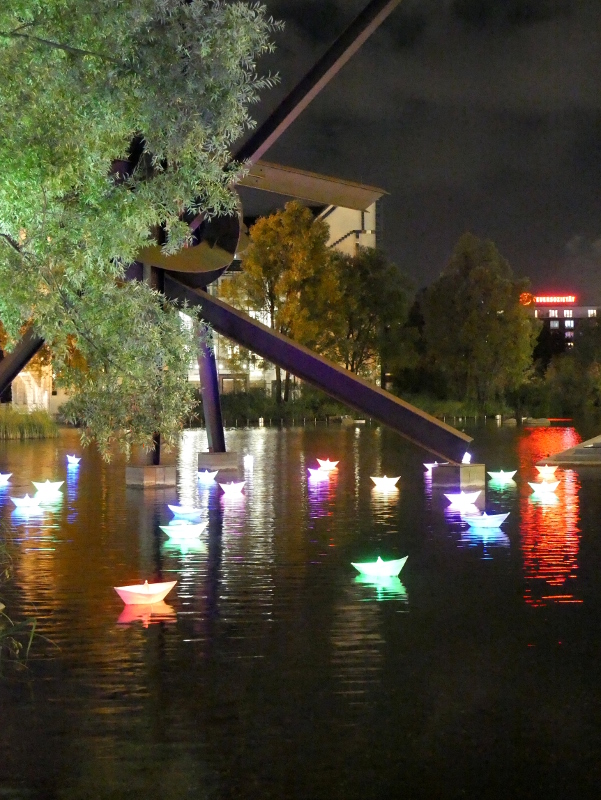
(26,425)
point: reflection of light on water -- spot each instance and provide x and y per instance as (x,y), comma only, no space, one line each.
(321,496)
(549,529)
(386,588)
(485,538)
(147,615)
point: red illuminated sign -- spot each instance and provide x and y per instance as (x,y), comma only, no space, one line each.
(557,299)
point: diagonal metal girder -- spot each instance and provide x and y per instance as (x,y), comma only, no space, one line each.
(412,423)
(14,362)
(332,61)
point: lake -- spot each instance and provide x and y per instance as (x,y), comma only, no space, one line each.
(272,670)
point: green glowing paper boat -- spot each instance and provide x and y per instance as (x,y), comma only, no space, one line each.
(381,568)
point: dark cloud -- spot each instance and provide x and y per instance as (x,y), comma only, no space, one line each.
(478,114)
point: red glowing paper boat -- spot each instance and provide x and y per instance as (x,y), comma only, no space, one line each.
(144,593)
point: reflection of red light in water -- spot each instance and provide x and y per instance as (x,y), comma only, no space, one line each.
(549,529)
(321,495)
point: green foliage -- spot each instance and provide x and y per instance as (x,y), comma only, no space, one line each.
(476,331)
(256,403)
(80,81)
(26,425)
(371,310)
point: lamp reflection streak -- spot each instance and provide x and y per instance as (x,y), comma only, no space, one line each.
(549,531)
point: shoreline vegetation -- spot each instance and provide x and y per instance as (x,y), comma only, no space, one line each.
(238,408)
(26,425)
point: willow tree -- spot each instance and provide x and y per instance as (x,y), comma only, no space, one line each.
(84,84)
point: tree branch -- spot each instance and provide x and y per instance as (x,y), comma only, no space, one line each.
(57,46)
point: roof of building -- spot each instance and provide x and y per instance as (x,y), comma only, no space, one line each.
(311,186)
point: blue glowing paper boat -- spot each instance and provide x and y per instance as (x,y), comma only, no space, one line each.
(486,520)
(205,476)
(73,461)
(380,568)
(185,512)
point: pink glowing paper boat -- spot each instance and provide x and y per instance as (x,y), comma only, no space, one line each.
(232,488)
(327,465)
(145,593)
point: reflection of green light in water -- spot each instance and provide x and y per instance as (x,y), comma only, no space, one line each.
(184,546)
(387,588)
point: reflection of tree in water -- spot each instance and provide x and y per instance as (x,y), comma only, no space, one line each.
(549,526)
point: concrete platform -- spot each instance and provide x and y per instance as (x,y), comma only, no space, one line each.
(585,454)
(221,461)
(147,475)
(459,476)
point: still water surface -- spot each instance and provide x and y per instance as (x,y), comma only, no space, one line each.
(272,671)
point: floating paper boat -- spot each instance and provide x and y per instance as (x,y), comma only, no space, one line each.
(385,484)
(486,520)
(4,476)
(463,498)
(381,568)
(147,614)
(144,593)
(327,465)
(546,471)
(318,474)
(180,529)
(73,461)
(185,512)
(26,502)
(49,488)
(430,466)
(206,476)
(502,477)
(232,488)
(544,487)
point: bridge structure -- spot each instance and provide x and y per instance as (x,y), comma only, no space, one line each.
(186,275)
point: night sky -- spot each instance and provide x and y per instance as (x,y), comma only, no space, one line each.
(480,115)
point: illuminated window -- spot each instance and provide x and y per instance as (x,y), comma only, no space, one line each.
(570,344)
(555,323)
(569,334)
(536,312)
(569,323)
(568,312)
(592,312)
(553,312)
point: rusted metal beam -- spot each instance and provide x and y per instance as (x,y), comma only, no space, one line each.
(412,423)
(14,362)
(314,81)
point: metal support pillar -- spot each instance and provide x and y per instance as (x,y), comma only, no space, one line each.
(209,388)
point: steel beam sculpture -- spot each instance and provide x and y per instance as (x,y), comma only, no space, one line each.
(186,275)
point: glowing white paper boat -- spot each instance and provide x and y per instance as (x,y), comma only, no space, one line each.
(502,477)
(232,488)
(385,484)
(327,465)
(185,512)
(544,487)
(546,471)
(48,488)
(145,593)
(463,498)
(180,529)
(319,474)
(72,461)
(430,466)
(485,520)
(381,568)
(205,476)
(26,502)
(4,476)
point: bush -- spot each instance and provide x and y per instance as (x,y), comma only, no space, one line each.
(26,425)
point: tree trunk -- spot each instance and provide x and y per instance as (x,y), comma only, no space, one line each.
(278,385)
(287,387)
